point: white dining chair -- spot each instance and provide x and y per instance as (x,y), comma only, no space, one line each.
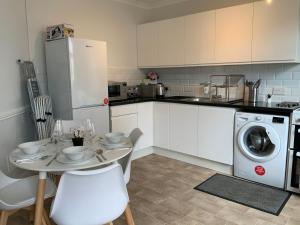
(18,194)
(125,162)
(91,197)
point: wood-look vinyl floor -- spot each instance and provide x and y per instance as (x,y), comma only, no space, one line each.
(161,193)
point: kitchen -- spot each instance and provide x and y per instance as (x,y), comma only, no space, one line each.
(243,39)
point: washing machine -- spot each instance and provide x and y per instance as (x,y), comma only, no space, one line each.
(260,148)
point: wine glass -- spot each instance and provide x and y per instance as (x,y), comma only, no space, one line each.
(57,134)
(89,129)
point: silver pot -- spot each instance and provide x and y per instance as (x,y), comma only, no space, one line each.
(161,90)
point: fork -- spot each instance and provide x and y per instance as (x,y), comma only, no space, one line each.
(32,160)
(55,156)
(100,152)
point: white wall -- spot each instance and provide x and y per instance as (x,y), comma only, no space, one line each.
(15,124)
(92,19)
(13,45)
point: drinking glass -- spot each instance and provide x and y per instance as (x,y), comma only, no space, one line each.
(58,132)
(89,129)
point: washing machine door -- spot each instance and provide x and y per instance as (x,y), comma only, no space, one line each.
(259,141)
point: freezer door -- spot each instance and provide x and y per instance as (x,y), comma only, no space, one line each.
(99,115)
(88,71)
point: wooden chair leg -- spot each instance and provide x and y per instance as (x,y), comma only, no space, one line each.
(46,218)
(128,216)
(44,221)
(4,217)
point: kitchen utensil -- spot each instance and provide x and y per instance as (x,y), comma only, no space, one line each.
(32,160)
(100,152)
(99,159)
(161,90)
(253,90)
(55,156)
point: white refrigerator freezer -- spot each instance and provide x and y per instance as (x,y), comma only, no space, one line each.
(77,80)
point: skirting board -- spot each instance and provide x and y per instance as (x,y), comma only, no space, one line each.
(142,152)
(219,167)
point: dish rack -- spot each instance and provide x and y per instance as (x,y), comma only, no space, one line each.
(41,105)
(227,88)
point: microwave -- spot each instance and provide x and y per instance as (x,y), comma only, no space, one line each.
(117,91)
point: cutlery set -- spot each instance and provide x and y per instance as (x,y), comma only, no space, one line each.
(99,156)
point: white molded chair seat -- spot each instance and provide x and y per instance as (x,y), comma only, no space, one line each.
(91,197)
(21,193)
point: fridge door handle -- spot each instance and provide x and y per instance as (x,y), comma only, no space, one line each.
(90,106)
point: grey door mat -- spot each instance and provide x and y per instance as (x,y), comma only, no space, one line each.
(254,195)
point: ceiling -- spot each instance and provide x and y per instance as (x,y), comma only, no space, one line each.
(150,4)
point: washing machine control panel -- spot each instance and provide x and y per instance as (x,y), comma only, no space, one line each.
(278,120)
(258,118)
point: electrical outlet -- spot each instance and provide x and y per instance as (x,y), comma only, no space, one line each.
(279,91)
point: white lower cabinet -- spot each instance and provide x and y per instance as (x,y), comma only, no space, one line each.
(200,131)
(215,134)
(145,123)
(183,128)
(125,118)
(161,124)
(124,123)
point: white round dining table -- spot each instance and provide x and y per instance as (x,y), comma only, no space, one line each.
(50,164)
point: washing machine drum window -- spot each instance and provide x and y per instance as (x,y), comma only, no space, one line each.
(259,142)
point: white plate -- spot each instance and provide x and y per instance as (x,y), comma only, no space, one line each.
(108,143)
(88,155)
(110,146)
(115,144)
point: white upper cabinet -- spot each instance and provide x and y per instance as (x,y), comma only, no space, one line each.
(200,33)
(171,42)
(184,128)
(234,34)
(258,32)
(147,45)
(276,31)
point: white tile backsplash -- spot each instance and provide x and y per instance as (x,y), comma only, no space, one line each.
(132,76)
(283,76)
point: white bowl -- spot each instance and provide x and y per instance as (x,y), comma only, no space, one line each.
(115,137)
(74,153)
(30,148)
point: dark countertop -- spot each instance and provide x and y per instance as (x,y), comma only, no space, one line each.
(131,101)
(259,107)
